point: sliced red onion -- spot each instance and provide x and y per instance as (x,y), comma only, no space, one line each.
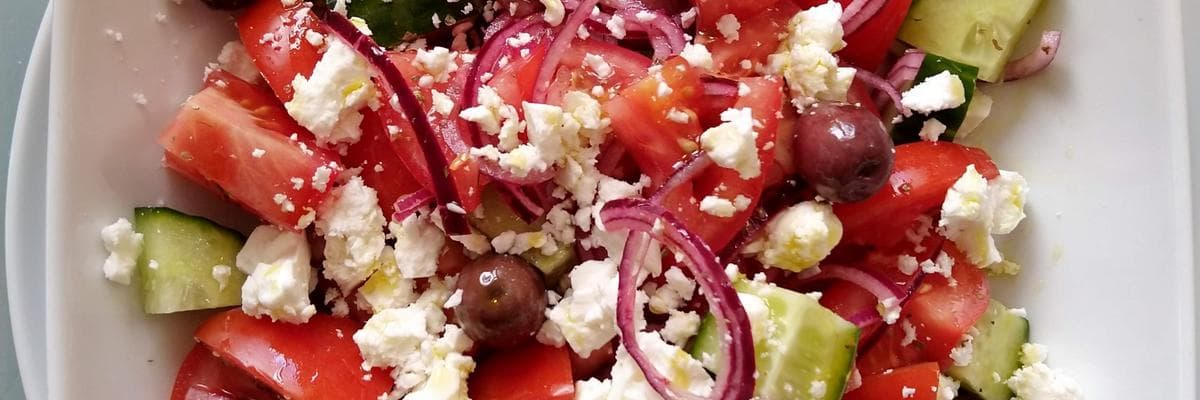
(610,157)
(665,35)
(752,231)
(903,72)
(715,86)
(859,12)
(882,85)
(410,107)
(735,378)
(558,47)
(689,168)
(517,200)
(1035,61)
(407,204)
(865,318)
(878,286)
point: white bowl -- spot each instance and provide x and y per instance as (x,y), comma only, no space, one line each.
(1101,136)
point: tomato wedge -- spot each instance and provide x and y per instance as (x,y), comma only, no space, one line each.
(530,371)
(917,382)
(203,376)
(758,38)
(275,38)
(237,137)
(314,361)
(943,310)
(922,173)
(382,169)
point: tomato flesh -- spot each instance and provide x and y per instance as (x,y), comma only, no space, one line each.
(274,37)
(921,175)
(530,371)
(916,382)
(382,169)
(317,360)
(203,376)
(216,139)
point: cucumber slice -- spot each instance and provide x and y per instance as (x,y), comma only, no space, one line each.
(179,252)
(982,33)
(808,344)
(906,131)
(996,354)
(499,218)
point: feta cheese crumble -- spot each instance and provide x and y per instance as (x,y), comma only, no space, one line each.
(943,91)
(805,57)
(418,245)
(801,236)
(732,143)
(280,277)
(124,246)
(1036,381)
(975,209)
(697,56)
(932,130)
(328,102)
(586,315)
(554,12)
(234,59)
(729,26)
(352,224)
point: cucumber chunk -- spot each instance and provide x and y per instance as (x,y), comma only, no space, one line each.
(807,344)
(499,218)
(995,355)
(179,253)
(982,33)
(906,131)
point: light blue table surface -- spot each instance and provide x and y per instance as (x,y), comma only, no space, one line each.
(18,25)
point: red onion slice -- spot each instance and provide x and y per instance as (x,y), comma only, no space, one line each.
(882,85)
(879,287)
(687,170)
(1035,61)
(858,13)
(903,72)
(735,378)
(407,204)
(558,47)
(410,107)
(865,318)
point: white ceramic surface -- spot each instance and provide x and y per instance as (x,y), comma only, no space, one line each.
(25,247)
(1101,136)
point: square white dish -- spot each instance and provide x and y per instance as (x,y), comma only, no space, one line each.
(1101,136)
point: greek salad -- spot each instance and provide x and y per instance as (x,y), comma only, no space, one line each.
(597,199)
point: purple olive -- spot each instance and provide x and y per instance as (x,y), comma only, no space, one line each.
(843,150)
(503,300)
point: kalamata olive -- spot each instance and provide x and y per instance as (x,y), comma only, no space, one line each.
(503,300)
(843,151)
(229,5)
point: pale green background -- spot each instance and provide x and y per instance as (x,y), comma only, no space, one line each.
(18,24)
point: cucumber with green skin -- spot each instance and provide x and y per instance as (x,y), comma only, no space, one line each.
(906,131)
(498,218)
(393,21)
(982,33)
(179,252)
(808,344)
(995,355)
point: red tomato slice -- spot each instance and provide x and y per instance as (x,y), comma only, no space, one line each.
(274,37)
(382,169)
(214,137)
(943,310)
(868,46)
(758,38)
(711,11)
(917,382)
(628,66)
(922,173)
(203,376)
(314,361)
(530,371)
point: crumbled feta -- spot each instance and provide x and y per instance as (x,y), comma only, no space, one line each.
(234,59)
(676,289)
(600,67)
(678,116)
(717,206)
(328,102)
(280,277)
(685,372)
(817,389)
(586,315)
(519,40)
(801,236)
(220,273)
(805,57)
(554,12)
(910,333)
(932,130)
(386,288)
(352,224)
(593,389)
(680,326)
(697,56)
(616,26)
(889,309)
(964,352)
(759,314)
(258,153)
(907,392)
(947,388)
(321,176)
(494,117)
(418,245)
(732,143)
(442,104)
(1035,380)
(975,209)
(438,62)
(943,91)
(729,26)
(124,246)
(139,98)
(907,264)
